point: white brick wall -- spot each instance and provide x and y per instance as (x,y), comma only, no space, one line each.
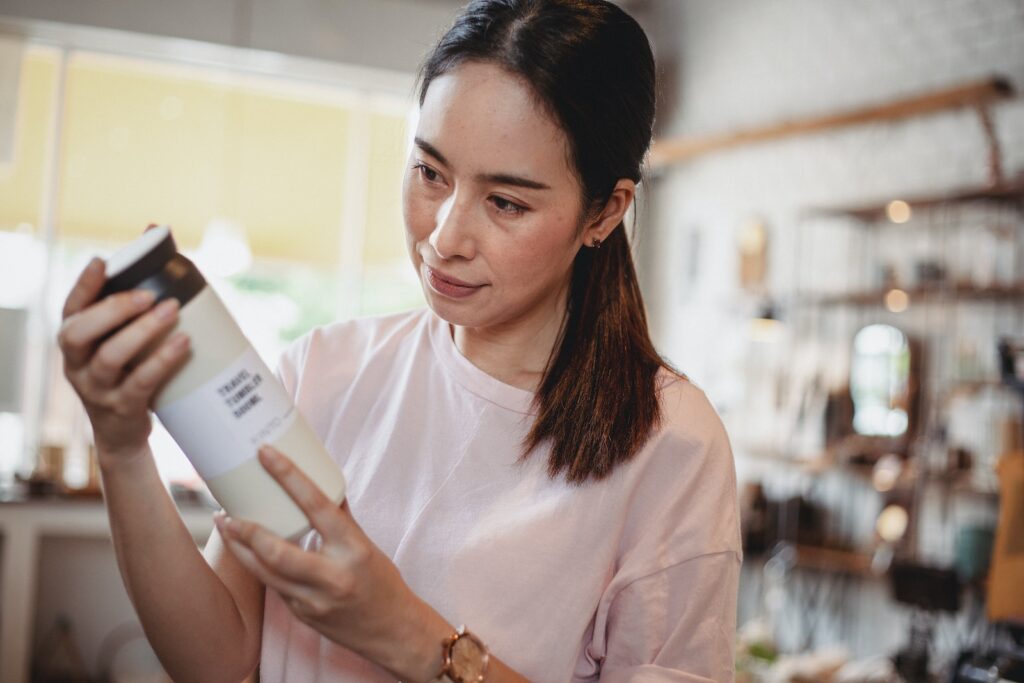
(740,63)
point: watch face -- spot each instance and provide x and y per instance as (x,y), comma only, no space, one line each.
(468,658)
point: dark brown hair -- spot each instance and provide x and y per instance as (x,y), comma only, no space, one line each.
(591,67)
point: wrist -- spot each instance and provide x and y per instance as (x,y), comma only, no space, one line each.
(417,656)
(112,460)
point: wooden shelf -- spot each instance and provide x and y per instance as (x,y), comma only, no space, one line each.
(1008,193)
(831,560)
(823,465)
(976,95)
(931,294)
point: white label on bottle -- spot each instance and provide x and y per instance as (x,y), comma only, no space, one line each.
(221,424)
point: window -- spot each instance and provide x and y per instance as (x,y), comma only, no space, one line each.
(284,189)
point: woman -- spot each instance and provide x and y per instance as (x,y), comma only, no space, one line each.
(519,458)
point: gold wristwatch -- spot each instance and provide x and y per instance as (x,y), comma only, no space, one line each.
(465,658)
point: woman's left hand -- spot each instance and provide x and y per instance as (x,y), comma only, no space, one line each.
(347,589)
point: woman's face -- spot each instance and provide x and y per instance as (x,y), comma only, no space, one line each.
(490,201)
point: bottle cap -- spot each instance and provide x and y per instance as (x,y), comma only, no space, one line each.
(152,262)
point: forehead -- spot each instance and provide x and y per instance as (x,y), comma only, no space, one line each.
(484,119)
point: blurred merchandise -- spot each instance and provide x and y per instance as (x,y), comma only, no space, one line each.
(995,666)
(59,658)
(973,549)
(928,272)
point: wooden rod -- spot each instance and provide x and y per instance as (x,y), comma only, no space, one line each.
(974,94)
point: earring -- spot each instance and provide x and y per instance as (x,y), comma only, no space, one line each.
(596,243)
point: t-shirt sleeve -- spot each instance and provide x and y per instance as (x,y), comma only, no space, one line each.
(669,610)
(677,624)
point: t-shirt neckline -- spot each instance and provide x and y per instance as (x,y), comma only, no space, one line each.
(470,376)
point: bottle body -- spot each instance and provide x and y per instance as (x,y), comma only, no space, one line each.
(222,404)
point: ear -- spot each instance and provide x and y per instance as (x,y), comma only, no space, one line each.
(614,209)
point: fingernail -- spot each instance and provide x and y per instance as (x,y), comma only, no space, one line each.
(143,297)
(179,341)
(269,457)
(166,309)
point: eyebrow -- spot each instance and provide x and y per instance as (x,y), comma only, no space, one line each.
(499,178)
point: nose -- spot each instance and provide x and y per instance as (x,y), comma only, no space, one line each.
(452,236)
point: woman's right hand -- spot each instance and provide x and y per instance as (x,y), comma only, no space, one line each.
(117,376)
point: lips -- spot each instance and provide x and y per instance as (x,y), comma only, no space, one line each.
(449,279)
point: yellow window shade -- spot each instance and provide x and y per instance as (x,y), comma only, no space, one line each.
(21,182)
(384,239)
(150,143)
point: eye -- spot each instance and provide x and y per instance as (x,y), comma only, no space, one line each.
(427,173)
(509,208)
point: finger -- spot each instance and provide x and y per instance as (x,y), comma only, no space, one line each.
(248,559)
(142,383)
(80,332)
(323,514)
(85,289)
(110,361)
(151,226)
(284,562)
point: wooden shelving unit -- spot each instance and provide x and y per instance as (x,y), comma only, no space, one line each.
(1004,193)
(1013,293)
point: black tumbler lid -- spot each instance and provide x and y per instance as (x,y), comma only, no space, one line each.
(152,262)
(136,261)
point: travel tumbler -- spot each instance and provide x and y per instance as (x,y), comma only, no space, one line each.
(224,402)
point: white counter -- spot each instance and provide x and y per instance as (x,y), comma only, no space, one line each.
(22,526)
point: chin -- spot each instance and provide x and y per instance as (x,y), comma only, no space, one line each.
(462,313)
(452,312)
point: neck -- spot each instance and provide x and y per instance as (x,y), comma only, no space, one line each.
(516,351)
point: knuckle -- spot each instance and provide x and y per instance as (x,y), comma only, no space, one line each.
(65,336)
(125,302)
(105,361)
(318,608)
(344,584)
(143,385)
(313,503)
(271,552)
(361,553)
(354,560)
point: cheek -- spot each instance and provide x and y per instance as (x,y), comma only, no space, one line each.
(541,259)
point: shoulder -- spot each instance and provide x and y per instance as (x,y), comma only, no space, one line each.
(684,502)
(346,366)
(353,342)
(690,431)
(330,356)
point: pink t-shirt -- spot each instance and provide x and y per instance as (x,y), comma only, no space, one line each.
(632,578)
